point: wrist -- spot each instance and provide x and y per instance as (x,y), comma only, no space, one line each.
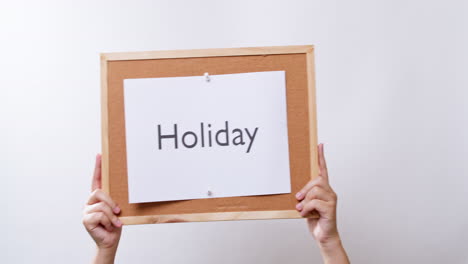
(330,243)
(105,255)
(332,251)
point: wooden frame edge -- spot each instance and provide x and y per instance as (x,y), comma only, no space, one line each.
(104,128)
(219,216)
(166,54)
(313,138)
(205,217)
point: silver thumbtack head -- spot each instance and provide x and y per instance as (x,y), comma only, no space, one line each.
(210,193)
(207,77)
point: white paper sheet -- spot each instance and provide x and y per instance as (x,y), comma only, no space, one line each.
(161,172)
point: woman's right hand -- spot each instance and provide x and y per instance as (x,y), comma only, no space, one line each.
(100,219)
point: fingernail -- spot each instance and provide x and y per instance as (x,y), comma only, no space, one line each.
(116,209)
(298,195)
(299,206)
(118,223)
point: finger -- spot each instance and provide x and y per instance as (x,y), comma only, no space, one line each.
(96,182)
(318,205)
(316,193)
(93,220)
(319,181)
(323,171)
(319,193)
(103,207)
(99,196)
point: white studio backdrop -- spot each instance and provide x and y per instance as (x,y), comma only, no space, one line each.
(391,89)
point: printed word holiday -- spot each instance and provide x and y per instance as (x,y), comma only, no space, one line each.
(205,136)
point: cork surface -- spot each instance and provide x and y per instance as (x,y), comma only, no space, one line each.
(295,66)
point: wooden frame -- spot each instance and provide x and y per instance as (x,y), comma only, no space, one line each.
(106,58)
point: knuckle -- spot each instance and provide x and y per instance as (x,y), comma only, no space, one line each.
(100,215)
(85,210)
(101,206)
(84,220)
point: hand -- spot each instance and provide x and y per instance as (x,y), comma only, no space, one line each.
(100,219)
(317,197)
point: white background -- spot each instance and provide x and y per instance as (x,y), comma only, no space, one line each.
(392,90)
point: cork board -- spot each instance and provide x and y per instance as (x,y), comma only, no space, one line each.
(298,64)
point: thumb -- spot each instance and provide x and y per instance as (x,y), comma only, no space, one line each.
(323,171)
(96,183)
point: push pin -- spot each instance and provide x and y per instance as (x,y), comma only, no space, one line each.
(210,193)
(207,77)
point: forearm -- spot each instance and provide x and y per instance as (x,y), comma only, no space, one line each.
(333,252)
(105,256)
